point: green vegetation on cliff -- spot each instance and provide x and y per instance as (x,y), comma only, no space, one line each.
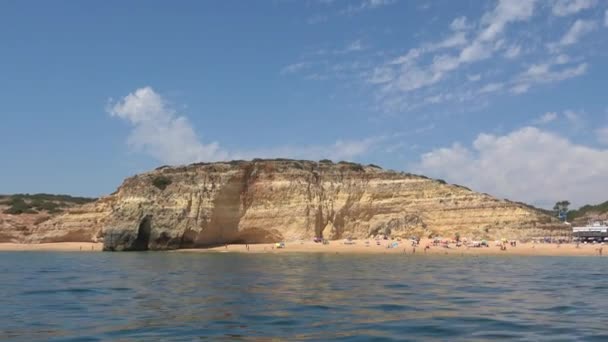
(35,203)
(601,208)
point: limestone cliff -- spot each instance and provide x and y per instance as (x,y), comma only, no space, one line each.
(20,214)
(273,200)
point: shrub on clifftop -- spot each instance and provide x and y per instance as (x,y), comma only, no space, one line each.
(161,182)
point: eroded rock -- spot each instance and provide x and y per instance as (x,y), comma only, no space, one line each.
(267,201)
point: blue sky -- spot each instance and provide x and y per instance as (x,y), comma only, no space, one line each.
(506,97)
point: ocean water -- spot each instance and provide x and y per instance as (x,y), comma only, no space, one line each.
(233,297)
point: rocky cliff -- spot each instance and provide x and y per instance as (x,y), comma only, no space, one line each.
(273,200)
(21,213)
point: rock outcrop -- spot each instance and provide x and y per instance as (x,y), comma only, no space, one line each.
(273,200)
(21,214)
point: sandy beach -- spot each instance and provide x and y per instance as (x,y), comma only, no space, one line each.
(338,247)
(57,247)
(361,247)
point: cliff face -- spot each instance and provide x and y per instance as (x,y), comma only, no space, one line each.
(20,214)
(267,201)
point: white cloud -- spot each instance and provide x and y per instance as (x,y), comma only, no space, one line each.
(567,7)
(602,135)
(381,75)
(513,51)
(474,78)
(528,165)
(491,87)
(576,31)
(572,115)
(575,119)
(520,88)
(414,78)
(460,24)
(507,11)
(367,5)
(562,59)
(406,74)
(378,3)
(456,39)
(543,73)
(159,132)
(546,118)
(293,68)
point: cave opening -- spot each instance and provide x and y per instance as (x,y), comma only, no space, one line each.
(143,234)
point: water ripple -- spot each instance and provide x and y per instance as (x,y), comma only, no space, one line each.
(232,297)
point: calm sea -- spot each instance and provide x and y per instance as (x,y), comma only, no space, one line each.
(192,297)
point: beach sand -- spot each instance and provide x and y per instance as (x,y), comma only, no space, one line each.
(338,247)
(56,246)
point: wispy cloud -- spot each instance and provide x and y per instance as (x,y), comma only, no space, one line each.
(579,29)
(460,24)
(575,119)
(408,73)
(354,46)
(474,77)
(367,5)
(295,67)
(545,73)
(546,118)
(513,51)
(602,135)
(160,132)
(491,87)
(498,45)
(568,7)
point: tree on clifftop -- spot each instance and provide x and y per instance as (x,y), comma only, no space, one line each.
(561,209)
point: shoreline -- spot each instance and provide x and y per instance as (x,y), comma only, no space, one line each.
(338,247)
(52,247)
